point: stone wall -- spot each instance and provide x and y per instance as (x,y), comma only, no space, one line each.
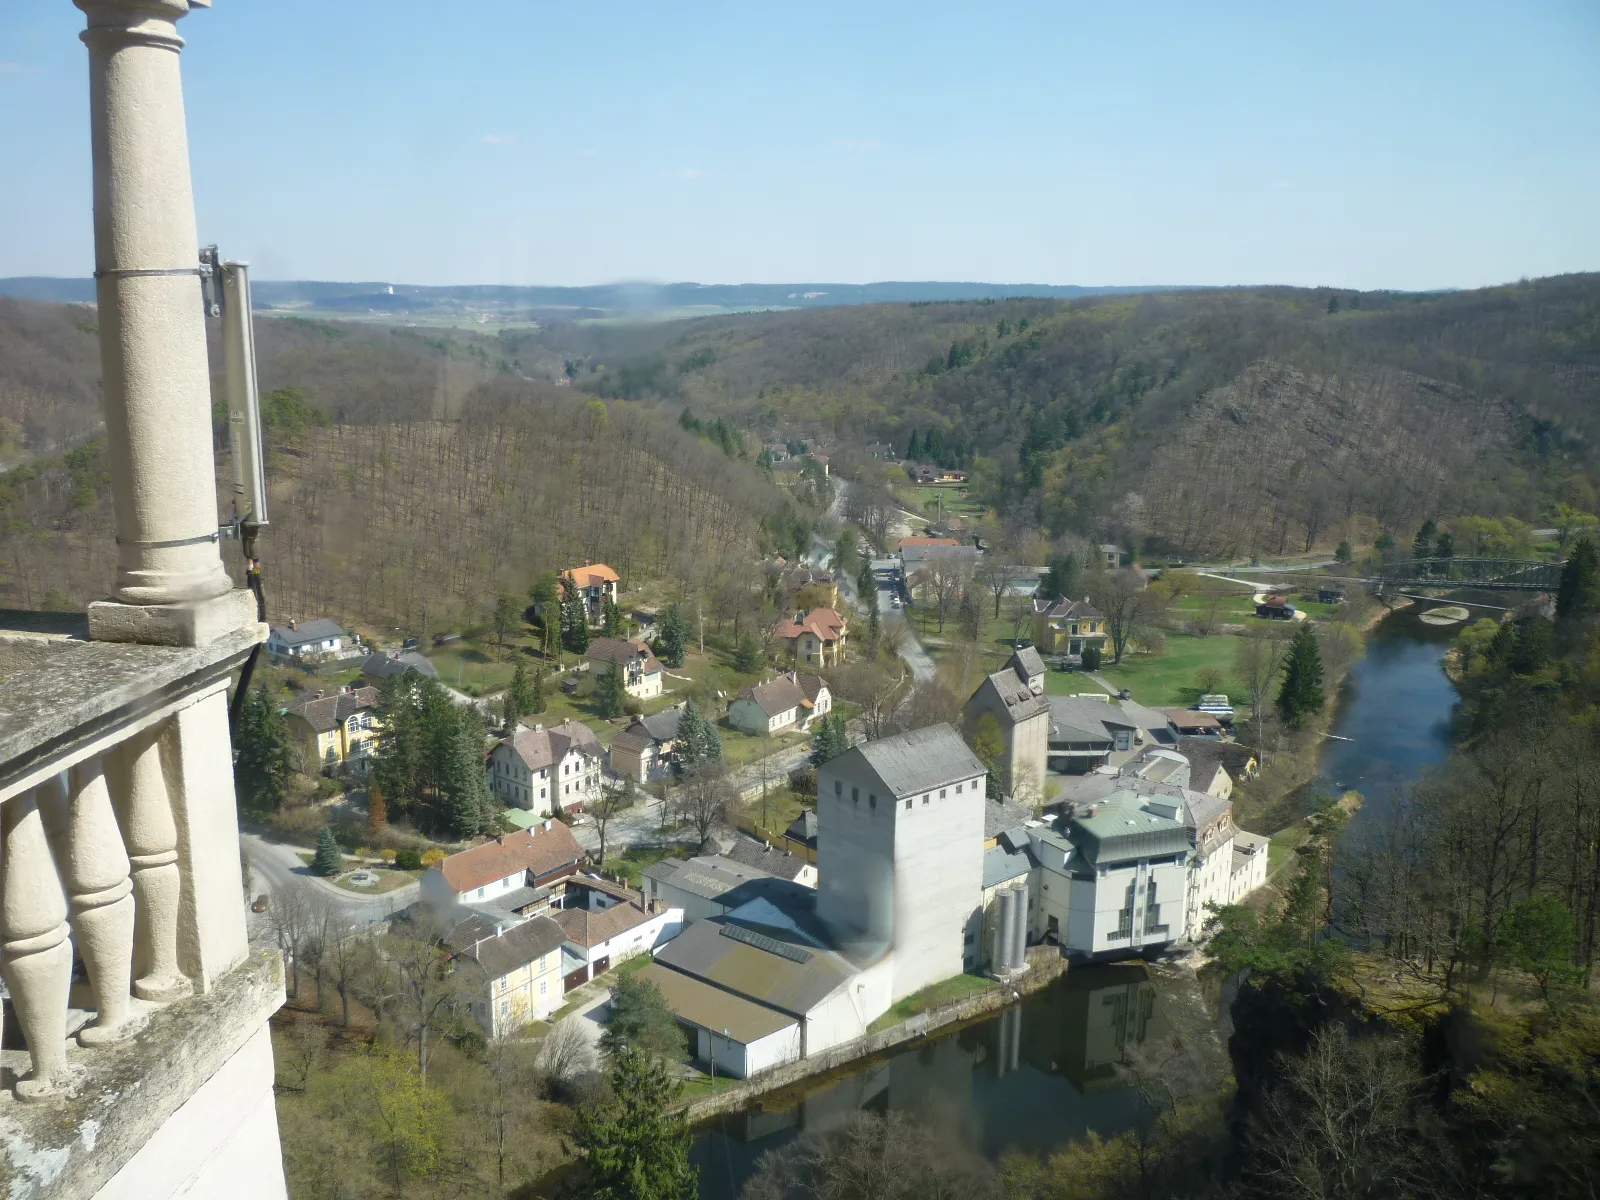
(1045,964)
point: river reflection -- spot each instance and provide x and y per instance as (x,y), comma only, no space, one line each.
(1394,709)
(1034,1077)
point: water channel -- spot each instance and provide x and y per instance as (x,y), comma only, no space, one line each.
(1045,1072)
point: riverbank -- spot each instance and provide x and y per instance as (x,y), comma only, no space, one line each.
(1045,965)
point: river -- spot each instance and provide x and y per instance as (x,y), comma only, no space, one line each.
(1045,1072)
(1394,709)
(1033,1077)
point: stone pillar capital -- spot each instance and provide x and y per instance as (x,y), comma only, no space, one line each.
(117,23)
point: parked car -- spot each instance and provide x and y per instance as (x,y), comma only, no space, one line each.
(411,643)
(260,904)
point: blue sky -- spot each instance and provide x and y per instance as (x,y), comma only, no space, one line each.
(1350,144)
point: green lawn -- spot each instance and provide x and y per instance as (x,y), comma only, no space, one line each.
(631,863)
(782,808)
(1168,680)
(957,987)
(1283,844)
(700,1084)
(740,748)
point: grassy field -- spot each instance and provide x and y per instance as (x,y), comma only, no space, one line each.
(631,863)
(782,808)
(957,987)
(1168,680)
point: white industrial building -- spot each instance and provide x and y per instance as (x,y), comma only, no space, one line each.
(900,853)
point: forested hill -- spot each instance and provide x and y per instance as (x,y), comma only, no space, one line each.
(1223,421)
(413,474)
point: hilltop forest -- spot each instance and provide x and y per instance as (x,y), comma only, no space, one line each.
(427,467)
(411,474)
(1222,422)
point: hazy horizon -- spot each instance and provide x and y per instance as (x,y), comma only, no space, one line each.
(1371,146)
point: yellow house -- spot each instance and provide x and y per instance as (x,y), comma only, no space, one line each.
(1063,626)
(334,729)
(518,970)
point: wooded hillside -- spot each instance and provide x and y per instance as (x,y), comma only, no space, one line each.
(1225,421)
(412,475)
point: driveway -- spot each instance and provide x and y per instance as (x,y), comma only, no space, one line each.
(275,868)
(908,647)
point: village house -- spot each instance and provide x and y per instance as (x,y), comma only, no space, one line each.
(518,863)
(928,473)
(1014,697)
(378,669)
(645,750)
(790,701)
(515,975)
(1113,555)
(816,638)
(774,860)
(808,581)
(1090,730)
(547,770)
(333,729)
(641,672)
(306,641)
(1063,626)
(708,885)
(603,926)
(597,583)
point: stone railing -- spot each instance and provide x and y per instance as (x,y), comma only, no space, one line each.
(119,853)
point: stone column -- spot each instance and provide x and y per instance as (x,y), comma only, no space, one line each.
(152,325)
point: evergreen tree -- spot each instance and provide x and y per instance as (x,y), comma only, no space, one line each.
(610,693)
(1063,577)
(263,764)
(674,635)
(1333,303)
(867,584)
(1301,693)
(1445,547)
(874,630)
(828,740)
(536,695)
(969,615)
(747,657)
(461,779)
(641,1020)
(1580,581)
(1090,657)
(633,1147)
(698,741)
(914,447)
(611,622)
(327,861)
(1422,544)
(1344,555)
(574,618)
(517,694)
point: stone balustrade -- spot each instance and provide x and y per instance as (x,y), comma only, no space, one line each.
(121,896)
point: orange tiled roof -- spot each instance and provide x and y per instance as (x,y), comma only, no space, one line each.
(593,575)
(823,623)
(539,851)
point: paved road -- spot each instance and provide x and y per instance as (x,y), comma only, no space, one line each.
(275,868)
(908,647)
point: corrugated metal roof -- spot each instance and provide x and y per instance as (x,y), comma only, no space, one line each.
(699,1003)
(794,987)
(920,760)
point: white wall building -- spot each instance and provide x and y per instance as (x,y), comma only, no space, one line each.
(320,638)
(547,770)
(900,853)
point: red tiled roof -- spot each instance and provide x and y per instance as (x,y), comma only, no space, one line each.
(824,623)
(593,575)
(592,928)
(927,541)
(538,851)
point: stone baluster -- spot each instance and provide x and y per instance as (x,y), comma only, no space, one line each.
(94,867)
(35,953)
(144,810)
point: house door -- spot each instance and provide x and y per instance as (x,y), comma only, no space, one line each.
(1075,646)
(577,979)
(602,965)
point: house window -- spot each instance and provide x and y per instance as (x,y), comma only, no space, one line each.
(480,893)
(908,805)
(924,799)
(1124,916)
(958,789)
(855,795)
(872,799)
(942,793)
(544,986)
(838,788)
(505,1008)
(1152,912)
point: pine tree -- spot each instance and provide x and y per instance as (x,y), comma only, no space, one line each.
(867,584)
(611,622)
(633,1147)
(1422,544)
(914,448)
(829,740)
(517,697)
(610,693)
(536,696)
(874,631)
(461,778)
(327,861)
(1579,589)
(1445,547)
(263,764)
(674,635)
(1301,693)
(747,658)
(574,618)
(1344,555)
(698,740)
